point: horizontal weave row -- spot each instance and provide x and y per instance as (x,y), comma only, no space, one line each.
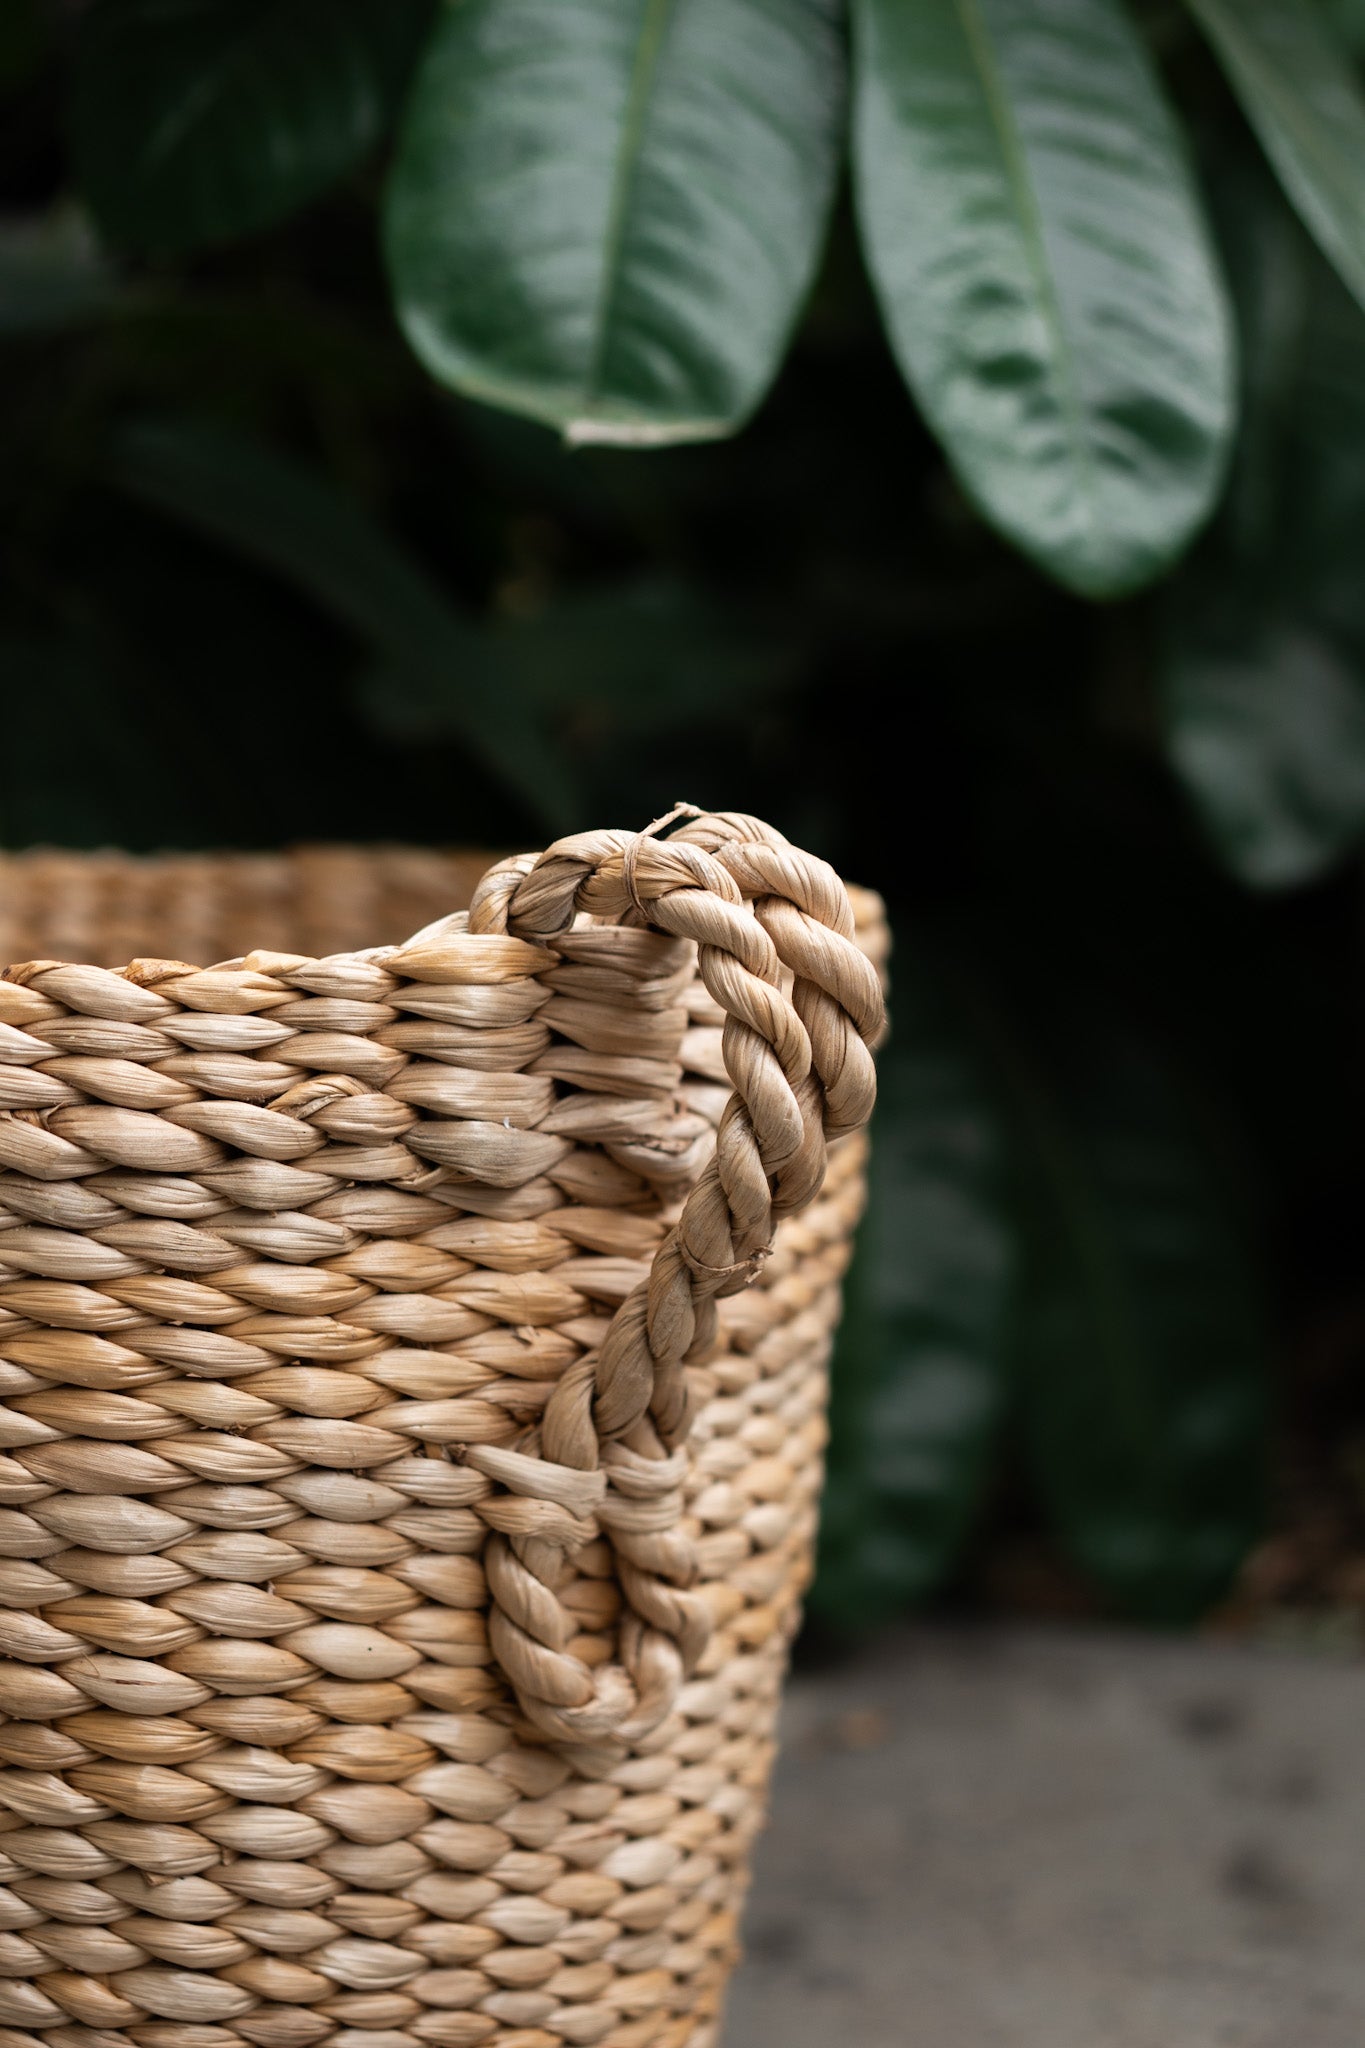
(292,1252)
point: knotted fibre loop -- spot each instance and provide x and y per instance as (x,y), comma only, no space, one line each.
(803,1006)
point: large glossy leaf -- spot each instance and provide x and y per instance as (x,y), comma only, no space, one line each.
(196,120)
(607,213)
(1045,273)
(1289,66)
(296,525)
(919,1378)
(1140,1349)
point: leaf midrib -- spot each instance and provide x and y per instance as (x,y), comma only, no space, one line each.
(639,92)
(1030,216)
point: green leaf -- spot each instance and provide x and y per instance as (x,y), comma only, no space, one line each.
(1046,275)
(1140,1350)
(919,1379)
(606,214)
(1293,75)
(1269,740)
(299,527)
(52,276)
(193,121)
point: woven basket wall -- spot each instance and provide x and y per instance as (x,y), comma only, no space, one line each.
(353,1694)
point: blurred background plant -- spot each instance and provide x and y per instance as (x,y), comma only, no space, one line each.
(334,336)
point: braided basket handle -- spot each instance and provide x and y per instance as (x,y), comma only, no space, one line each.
(610,1449)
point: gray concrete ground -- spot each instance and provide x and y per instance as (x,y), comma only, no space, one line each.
(1023,1839)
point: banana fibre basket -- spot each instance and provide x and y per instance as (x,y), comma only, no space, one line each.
(412,1367)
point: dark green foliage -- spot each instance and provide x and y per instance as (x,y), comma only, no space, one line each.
(607,214)
(266,508)
(195,120)
(265,578)
(1264,689)
(921,1396)
(1138,1332)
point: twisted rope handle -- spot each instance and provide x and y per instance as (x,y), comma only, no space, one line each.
(610,1449)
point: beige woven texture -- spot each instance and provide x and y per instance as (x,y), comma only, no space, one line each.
(410,1451)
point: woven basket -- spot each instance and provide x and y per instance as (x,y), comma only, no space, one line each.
(404,1502)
